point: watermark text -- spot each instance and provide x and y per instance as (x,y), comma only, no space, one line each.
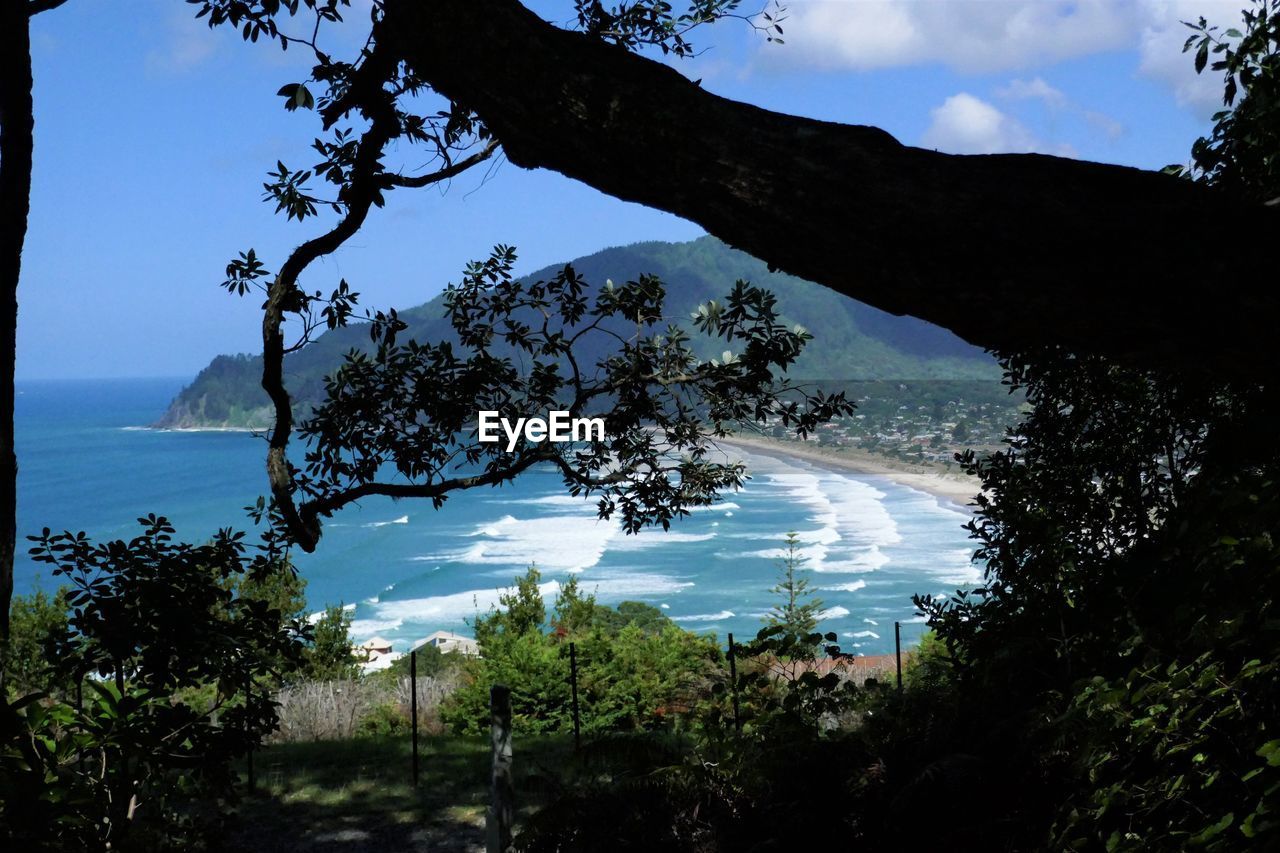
(557,426)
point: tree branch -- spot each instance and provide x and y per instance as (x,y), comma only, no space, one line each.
(576,476)
(35,7)
(1009,251)
(450,171)
(311,510)
(283,297)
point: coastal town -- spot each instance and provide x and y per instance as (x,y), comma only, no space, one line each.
(915,423)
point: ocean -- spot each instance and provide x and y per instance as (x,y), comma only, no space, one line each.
(87,463)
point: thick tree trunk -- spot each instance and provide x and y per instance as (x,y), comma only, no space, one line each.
(16,127)
(1008,251)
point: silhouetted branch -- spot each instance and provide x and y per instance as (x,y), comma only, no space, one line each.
(35,7)
(1008,251)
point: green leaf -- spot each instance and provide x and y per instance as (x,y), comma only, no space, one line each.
(1216,829)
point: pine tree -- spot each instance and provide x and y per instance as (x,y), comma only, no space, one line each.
(798,612)
(329,658)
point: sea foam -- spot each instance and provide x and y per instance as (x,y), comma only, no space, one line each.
(404,519)
(852,586)
(706,617)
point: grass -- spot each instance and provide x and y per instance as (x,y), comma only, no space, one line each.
(357,795)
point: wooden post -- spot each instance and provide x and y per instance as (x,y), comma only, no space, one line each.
(573,681)
(733,684)
(413,708)
(80,709)
(897,651)
(249,756)
(501,807)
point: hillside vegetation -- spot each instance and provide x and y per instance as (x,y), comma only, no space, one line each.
(853,341)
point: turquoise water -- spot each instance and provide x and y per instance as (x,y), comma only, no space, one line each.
(409,570)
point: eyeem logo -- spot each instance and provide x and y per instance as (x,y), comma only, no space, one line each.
(557,426)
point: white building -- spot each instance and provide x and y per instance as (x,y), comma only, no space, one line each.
(447,641)
(375,653)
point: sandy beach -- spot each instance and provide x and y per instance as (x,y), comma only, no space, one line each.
(954,487)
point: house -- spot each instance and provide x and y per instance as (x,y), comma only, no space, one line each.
(375,653)
(374,646)
(447,641)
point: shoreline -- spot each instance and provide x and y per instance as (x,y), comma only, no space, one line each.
(154,428)
(957,490)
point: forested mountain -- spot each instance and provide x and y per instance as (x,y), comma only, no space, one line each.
(851,340)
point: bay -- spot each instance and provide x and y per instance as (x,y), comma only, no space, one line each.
(88,462)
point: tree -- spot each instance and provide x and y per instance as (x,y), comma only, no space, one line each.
(798,611)
(17,127)
(636,670)
(280,588)
(574,612)
(1119,658)
(329,656)
(1239,156)
(550,97)
(576,103)
(36,621)
(152,623)
(646,617)
(611,358)
(522,610)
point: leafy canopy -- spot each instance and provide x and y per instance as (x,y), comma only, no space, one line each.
(412,407)
(407,409)
(155,627)
(1119,659)
(636,669)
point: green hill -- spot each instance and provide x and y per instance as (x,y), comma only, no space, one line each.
(852,341)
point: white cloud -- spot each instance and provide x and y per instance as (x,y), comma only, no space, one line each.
(1110,128)
(1036,89)
(965,124)
(967,35)
(186,42)
(1160,49)
(983,36)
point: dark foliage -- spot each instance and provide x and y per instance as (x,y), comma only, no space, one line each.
(131,755)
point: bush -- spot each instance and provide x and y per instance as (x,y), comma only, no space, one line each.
(385,719)
(636,670)
(374,704)
(136,765)
(36,621)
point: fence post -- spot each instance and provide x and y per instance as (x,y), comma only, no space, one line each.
(80,710)
(897,652)
(573,681)
(733,683)
(248,682)
(501,807)
(413,708)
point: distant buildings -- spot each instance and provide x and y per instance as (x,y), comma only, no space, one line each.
(377,653)
(447,641)
(923,429)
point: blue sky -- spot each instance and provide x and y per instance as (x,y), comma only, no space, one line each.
(153,135)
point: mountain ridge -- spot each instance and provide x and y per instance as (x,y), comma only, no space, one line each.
(852,340)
